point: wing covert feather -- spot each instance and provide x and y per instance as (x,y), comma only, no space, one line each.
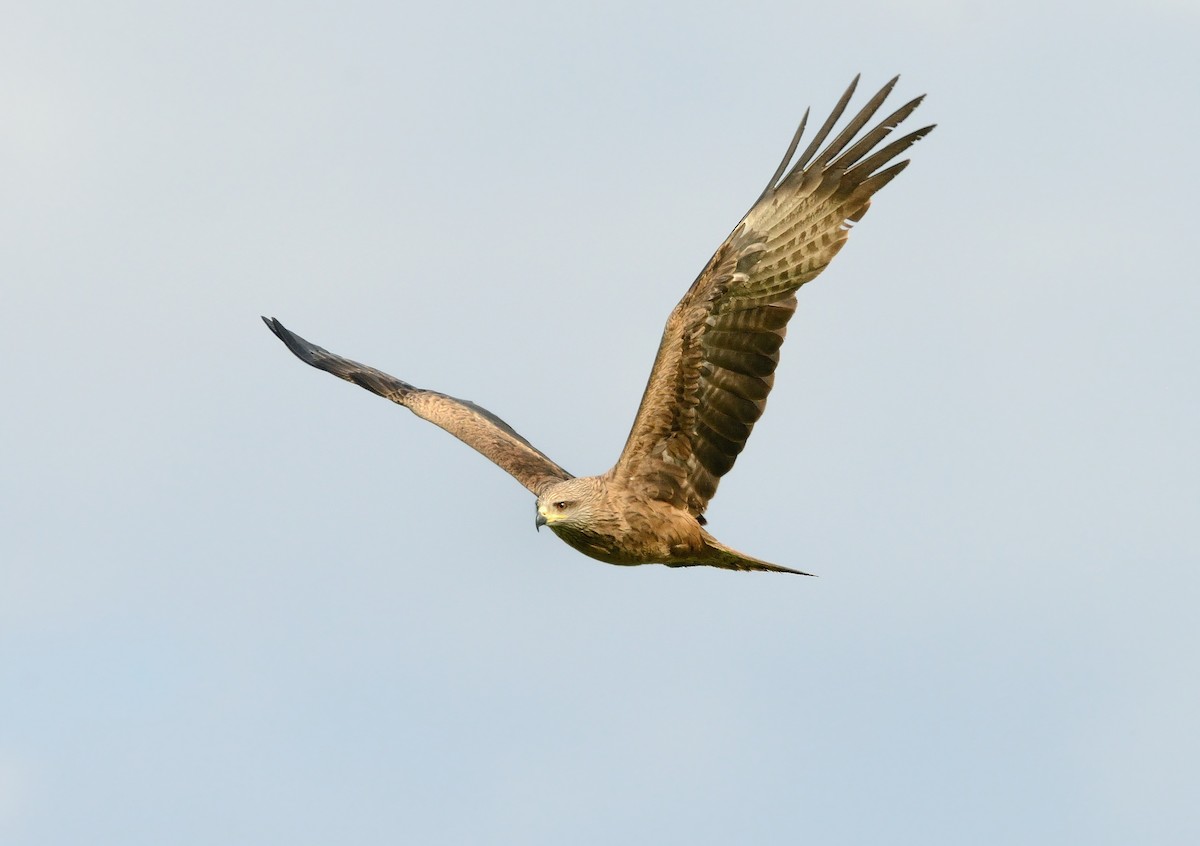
(716,362)
(475,426)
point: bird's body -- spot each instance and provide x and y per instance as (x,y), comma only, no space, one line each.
(614,526)
(714,369)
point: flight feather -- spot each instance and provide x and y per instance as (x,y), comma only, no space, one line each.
(716,362)
(472,424)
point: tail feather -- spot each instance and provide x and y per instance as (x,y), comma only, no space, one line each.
(717,554)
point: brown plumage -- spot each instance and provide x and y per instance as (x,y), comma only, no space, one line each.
(714,369)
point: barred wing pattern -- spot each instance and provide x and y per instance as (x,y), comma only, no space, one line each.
(716,362)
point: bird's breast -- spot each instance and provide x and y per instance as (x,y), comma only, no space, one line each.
(648,532)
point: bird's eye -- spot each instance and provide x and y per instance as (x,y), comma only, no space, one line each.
(561,506)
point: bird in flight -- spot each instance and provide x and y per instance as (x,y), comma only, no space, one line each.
(714,367)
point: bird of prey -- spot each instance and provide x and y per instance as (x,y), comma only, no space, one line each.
(714,368)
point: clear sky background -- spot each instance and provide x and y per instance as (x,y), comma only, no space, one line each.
(242,602)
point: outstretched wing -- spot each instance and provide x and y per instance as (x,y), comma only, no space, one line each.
(716,362)
(477,427)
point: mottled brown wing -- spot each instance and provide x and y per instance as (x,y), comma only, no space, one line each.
(716,362)
(477,427)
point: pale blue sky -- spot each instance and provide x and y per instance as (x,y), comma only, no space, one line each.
(242,602)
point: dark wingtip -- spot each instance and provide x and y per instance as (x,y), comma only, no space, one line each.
(274,325)
(302,349)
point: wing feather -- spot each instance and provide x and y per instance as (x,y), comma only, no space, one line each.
(716,363)
(475,426)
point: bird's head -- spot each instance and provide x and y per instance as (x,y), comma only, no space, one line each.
(566,505)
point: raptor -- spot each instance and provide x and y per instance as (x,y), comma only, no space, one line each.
(714,368)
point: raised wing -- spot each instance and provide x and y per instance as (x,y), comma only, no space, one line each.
(477,427)
(716,362)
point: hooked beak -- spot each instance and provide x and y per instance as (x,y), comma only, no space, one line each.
(539,521)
